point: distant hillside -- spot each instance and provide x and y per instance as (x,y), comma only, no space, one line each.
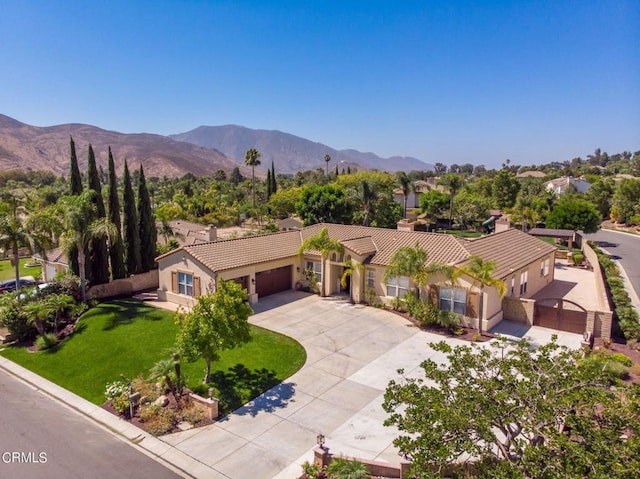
(289,153)
(24,146)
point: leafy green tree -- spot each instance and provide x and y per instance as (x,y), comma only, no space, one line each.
(433,203)
(268,184)
(626,201)
(116,249)
(574,214)
(600,193)
(217,322)
(324,244)
(469,208)
(98,256)
(274,183)
(519,411)
(251,159)
(236,177)
(453,182)
(370,198)
(505,189)
(80,228)
(320,204)
(131,227)
(282,204)
(19,229)
(412,262)
(146,226)
(481,273)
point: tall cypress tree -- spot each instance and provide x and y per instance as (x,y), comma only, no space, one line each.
(147,228)
(74,174)
(130,226)
(116,250)
(269,192)
(75,188)
(98,257)
(274,185)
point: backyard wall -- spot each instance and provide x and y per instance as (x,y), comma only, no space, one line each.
(125,286)
(519,310)
(601,289)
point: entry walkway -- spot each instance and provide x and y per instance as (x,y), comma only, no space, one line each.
(353,352)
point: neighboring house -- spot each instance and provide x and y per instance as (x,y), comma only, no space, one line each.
(291,223)
(55,262)
(559,185)
(270,263)
(187,233)
(419,187)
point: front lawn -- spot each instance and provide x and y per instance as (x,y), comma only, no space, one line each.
(7,271)
(128,336)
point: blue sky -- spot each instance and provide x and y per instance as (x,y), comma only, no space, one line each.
(454,82)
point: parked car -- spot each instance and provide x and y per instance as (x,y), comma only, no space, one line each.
(10,284)
(40,290)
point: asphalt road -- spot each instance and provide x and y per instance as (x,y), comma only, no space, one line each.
(625,248)
(42,438)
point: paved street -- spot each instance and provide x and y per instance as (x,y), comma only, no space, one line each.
(626,248)
(59,443)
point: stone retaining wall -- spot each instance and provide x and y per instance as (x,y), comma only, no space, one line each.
(125,286)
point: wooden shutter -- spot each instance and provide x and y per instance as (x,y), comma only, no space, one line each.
(174,281)
(434,295)
(196,286)
(473,304)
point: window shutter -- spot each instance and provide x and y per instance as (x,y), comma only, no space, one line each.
(473,304)
(434,296)
(174,281)
(196,286)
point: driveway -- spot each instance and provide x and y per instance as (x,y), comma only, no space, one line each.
(353,352)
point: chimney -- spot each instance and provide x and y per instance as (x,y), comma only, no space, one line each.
(211,233)
(404,225)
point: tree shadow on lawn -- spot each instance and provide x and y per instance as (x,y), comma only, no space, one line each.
(123,312)
(238,385)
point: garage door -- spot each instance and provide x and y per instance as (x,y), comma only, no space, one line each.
(273,281)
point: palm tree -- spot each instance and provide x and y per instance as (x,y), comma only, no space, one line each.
(481,273)
(18,229)
(350,267)
(366,197)
(412,262)
(453,182)
(405,185)
(327,159)
(324,245)
(251,159)
(79,230)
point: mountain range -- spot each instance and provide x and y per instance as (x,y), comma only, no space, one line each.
(201,151)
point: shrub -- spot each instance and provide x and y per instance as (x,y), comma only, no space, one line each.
(577,258)
(426,314)
(449,319)
(115,388)
(412,303)
(622,359)
(192,413)
(148,390)
(346,469)
(601,361)
(161,423)
(121,403)
(397,304)
(311,470)
(148,412)
(47,341)
(16,321)
(66,284)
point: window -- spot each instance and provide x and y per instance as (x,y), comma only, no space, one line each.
(542,268)
(314,267)
(397,286)
(524,276)
(185,284)
(453,299)
(371,278)
(513,284)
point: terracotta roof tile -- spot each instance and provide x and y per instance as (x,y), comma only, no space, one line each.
(362,246)
(511,250)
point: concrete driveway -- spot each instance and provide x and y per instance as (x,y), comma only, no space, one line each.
(353,352)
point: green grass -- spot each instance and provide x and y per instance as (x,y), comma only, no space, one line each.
(8,272)
(128,336)
(462,234)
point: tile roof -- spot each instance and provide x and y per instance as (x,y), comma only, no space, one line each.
(511,249)
(55,255)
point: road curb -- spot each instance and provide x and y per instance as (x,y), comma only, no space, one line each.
(149,445)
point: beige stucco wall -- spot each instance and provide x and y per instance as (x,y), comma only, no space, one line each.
(182,261)
(125,286)
(535,281)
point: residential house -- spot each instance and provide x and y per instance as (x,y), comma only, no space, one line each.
(560,185)
(54,262)
(419,187)
(270,263)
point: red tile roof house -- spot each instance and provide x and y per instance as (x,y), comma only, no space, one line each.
(269,264)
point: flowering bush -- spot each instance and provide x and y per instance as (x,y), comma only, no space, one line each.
(66,284)
(116,388)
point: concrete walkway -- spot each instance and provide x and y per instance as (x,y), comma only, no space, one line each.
(353,352)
